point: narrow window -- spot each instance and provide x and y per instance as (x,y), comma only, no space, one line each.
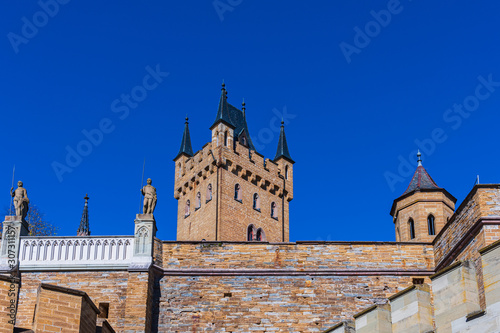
(274,211)
(104,308)
(179,171)
(217,136)
(188,207)
(256,202)
(430,225)
(225,138)
(398,235)
(209,192)
(250,233)
(286,172)
(411,226)
(198,200)
(261,236)
(237,192)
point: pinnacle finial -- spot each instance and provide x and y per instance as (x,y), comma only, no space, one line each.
(243,108)
(86,198)
(187,119)
(419,161)
(282,122)
(223,85)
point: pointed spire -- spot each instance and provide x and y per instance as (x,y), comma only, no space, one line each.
(84,229)
(283,146)
(223,114)
(421,180)
(243,108)
(186,148)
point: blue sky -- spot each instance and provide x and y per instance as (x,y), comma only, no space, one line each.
(360,84)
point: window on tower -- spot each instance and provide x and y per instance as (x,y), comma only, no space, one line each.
(209,192)
(286,172)
(188,208)
(260,236)
(411,227)
(225,138)
(431,225)
(250,233)
(256,202)
(274,211)
(237,192)
(198,201)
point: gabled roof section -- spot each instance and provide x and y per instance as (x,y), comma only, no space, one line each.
(186,148)
(283,146)
(239,120)
(84,228)
(421,179)
(223,110)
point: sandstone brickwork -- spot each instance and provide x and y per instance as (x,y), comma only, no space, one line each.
(9,288)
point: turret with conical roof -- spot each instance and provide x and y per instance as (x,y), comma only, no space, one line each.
(423,209)
(84,228)
(186,148)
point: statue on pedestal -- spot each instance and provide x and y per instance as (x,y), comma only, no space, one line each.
(21,200)
(149,193)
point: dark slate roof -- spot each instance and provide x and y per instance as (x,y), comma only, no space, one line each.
(421,180)
(186,148)
(84,228)
(240,123)
(223,110)
(283,146)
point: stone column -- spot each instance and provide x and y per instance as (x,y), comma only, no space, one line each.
(144,234)
(13,228)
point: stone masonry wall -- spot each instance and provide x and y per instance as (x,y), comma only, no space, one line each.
(8,298)
(106,287)
(302,287)
(300,256)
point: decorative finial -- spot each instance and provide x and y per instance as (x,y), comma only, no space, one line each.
(243,108)
(187,119)
(223,85)
(419,161)
(86,197)
(282,122)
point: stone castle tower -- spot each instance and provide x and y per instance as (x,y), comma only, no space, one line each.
(227,191)
(423,209)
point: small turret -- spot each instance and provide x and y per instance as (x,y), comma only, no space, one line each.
(423,209)
(223,126)
(186,148)
(84,229)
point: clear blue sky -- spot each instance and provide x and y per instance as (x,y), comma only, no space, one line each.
(355,101)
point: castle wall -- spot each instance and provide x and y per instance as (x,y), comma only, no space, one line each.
(101,286)
(8,298)
(307,287)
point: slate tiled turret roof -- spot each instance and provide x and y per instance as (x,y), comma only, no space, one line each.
(233,117)
(283,146)
(421,179)
(186,148)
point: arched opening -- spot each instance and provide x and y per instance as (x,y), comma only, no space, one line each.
(286,172)
(250,233)
(179,171)
(225,138)
(411,227)
(256,202)
(431,225)
(188,208)
(260,236)
(274,210)
(209,192)
(198,200)
(237,192)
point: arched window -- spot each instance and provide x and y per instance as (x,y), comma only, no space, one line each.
(256,202)
(179,171)
(411,227)
(274,210)
(261,236)
(225,138)
(217,136)
(430,225)
(286,172)
(243,140)
(209,192)
(188,208)
(198,200)
(237,192)
(250,233)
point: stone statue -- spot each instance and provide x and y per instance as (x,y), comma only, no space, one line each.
(149,193)
(21,200)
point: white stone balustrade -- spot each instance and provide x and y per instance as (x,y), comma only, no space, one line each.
(75,253)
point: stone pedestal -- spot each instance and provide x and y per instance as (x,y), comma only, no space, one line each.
(13,228)
(144,234)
